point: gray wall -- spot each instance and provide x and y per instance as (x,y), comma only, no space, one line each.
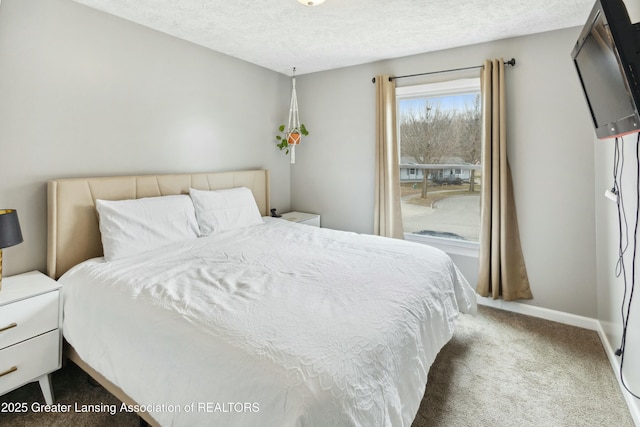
(550,151)
(83,93)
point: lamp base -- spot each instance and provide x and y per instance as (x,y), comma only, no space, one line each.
(0,269)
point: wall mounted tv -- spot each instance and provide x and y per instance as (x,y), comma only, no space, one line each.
(607,57)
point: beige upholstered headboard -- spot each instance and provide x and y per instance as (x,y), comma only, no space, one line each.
(73,233)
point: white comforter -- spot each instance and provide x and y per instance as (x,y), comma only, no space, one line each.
(278,324)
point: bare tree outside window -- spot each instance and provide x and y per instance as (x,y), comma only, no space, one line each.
(440,145)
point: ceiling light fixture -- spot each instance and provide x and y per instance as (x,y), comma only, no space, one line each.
(308,2)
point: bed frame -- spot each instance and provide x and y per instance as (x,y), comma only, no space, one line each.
(73,232)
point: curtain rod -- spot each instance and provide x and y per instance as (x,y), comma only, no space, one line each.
(511,62)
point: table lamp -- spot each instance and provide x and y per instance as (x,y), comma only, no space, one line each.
(10,233)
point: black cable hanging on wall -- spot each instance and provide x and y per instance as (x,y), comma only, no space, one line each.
(511,62)
(623,244)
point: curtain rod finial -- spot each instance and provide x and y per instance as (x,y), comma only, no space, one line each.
(511,62)
(373,80)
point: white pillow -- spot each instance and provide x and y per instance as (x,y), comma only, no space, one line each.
(222,210)
(129,227)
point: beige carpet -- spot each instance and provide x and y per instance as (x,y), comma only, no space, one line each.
(500,369)
(507,369)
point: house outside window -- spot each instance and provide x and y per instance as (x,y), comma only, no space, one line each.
(439,127)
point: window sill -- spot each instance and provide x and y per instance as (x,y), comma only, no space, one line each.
(450,246)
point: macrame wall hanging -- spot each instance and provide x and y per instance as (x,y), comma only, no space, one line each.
(292,133)
(293,130)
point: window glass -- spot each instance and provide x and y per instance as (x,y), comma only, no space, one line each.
(439,130)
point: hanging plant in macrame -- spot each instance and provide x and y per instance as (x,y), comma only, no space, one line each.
(292,133)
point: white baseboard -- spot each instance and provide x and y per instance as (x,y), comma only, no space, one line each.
(571,319)
(632,402)
(542,313)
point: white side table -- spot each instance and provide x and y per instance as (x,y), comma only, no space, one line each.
(303,218)
(30,331)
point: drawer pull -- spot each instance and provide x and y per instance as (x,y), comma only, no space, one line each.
(8,371)
(13,325)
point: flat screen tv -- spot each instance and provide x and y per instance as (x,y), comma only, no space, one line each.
(607,58)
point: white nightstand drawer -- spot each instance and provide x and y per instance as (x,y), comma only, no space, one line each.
(28,360)
(23,319)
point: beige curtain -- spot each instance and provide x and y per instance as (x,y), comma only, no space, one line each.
(387,215)
(502,268)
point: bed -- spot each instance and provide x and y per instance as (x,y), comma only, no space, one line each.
(270,323)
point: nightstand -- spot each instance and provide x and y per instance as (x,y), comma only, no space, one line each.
(30,331)
(303,218)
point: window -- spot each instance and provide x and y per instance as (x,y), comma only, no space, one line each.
(439,128)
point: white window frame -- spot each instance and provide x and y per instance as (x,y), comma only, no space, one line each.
(450,87)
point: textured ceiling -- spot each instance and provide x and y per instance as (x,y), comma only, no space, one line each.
(281,34)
